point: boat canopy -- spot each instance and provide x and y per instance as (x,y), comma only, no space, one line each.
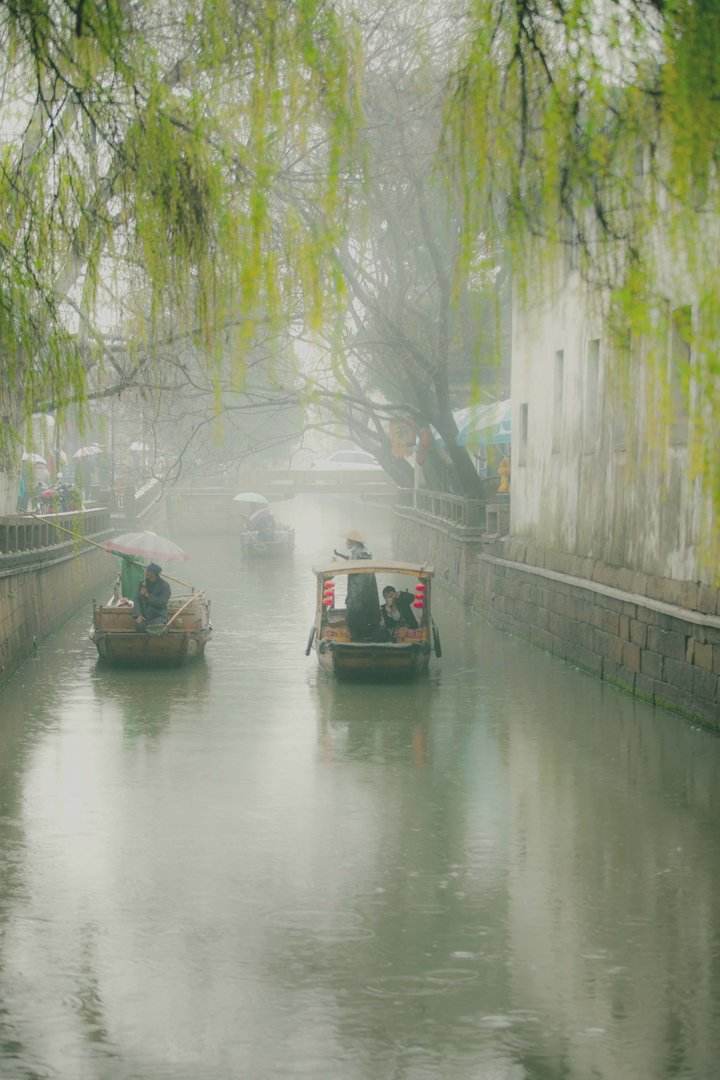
(374,566)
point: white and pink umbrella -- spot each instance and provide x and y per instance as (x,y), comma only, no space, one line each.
(146,545)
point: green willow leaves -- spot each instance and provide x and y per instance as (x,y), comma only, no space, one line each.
(587,132)
(151,151)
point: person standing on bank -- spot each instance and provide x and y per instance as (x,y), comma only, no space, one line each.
(151,600)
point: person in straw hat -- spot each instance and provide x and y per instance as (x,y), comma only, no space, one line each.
(355,543)
(362,603)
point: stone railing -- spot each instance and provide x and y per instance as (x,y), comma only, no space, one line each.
(442,506)
(26,538)
(489,515)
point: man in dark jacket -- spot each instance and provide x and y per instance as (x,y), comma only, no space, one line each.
(394,613)
(151,601)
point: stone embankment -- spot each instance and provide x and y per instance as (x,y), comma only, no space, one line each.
(656,638)
(45,575)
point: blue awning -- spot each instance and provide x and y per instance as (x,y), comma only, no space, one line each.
(484,425)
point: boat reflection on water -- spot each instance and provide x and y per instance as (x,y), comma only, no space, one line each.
(146,700)
(374,721)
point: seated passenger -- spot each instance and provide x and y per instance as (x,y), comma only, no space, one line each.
(151,600)
(263,523)
(390,613)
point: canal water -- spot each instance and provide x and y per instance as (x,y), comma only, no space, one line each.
(506,871)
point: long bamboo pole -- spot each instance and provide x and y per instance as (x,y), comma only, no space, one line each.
(94,543)
(180,610)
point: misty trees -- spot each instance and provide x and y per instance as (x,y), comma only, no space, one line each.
(149,150)
(185,166)
(417,336)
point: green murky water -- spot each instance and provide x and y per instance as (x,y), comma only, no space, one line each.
(506,871)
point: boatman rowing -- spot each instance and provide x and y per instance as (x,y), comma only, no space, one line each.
(151,600)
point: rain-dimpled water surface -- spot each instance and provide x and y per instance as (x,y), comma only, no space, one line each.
(241,869)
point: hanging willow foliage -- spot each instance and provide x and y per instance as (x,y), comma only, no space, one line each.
(169,139)
(595,126)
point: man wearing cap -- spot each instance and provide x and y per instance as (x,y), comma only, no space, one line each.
(151,600)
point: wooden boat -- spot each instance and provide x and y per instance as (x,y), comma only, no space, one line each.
(254,543)
(184,637)
(408,654)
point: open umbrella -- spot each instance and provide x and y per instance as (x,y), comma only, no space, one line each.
(252,498)
(88,451)
(146,545)
(35,459)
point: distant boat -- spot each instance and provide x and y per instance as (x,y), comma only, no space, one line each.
(282,540)
(407,654)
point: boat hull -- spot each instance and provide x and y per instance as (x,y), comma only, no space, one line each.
(118,641)
(280,544)
(150,650)
(373,660)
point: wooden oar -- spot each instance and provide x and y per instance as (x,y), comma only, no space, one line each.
(100,547)
(156,630)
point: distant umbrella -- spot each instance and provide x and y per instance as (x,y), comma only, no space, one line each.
(88,451)
(146,545)
(34,459)
(252,498)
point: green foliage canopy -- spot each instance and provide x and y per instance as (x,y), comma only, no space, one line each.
(160,143)
(593,128)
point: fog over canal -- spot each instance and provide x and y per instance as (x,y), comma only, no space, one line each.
(242,869)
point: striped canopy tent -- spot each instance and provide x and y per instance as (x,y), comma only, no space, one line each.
(484,425)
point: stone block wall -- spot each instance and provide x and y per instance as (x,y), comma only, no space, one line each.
(445,547)
(693,595)
(663,652)
(668,659)
(35,599)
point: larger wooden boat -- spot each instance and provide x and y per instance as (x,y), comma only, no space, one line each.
(406,654)
(184,638)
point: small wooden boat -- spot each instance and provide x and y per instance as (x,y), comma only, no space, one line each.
(281,541)
(407,654)
(183,638)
